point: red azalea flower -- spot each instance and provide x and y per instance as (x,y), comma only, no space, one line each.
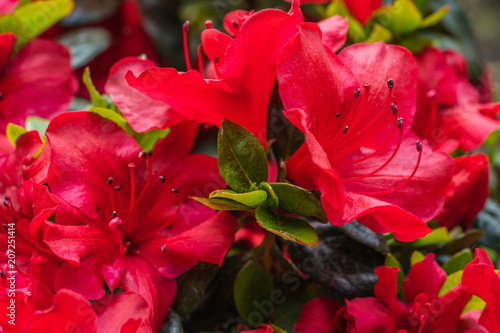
(361,10)
(480,279)
(246,71)
(450,114)
(467,193)
(37,81)
(422,312)
(355,111)
(126,217)
(264,328)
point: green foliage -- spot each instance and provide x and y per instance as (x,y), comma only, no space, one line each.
(437,236)
(289,228)
(241,159)
(392,261)
(96,98)
(458,261)
(252,199)
(13,132)
(222,204)
(416,256)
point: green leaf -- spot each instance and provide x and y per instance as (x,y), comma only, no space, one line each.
(475,303)
(222,204)
(435,17)
(421,5)
(391,261)
(379,33)
(293,229)
(96,98)
(251,199)
(13,133)
(272,200)
(464,240)
(451,282)
(458,261)
(147,140)
(402,18)
(114,117)
(241,159)
(437,236)
(85,44)
(34,123)
(415,43)
(253,286)
(276,329)
(416,256)
(32,19)
(296,200)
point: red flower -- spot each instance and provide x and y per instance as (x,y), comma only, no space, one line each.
(37,81)
(246,71)
(467,192)
(361,10)
(480,279)
(450,114)
(358,153)
(125,217)
(320,315)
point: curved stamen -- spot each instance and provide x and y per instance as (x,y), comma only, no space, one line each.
(150,174)
(200,61)
(394,112)
(185,29)
(400,138)
(131,169)
(419,149)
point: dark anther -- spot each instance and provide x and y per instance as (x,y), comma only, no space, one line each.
(175,190)
(2,274)
(345,129)
(338,115)
(419,146)
(117,187)
(357,92)
(5,226)
(110,181)
(6,198)
(400,123)
(163,248)
(394,108)
(143,154)
(6,203)
(235,24)
(115,215)
(1,97)
(390,83)
(162,179)
(216,60)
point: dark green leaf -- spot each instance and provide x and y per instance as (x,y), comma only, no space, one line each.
(253,287)
(251,199)
(222,204)
(272,200)
(87,12)
(241,159)
(342,262)
(289,228)
(464,240)
(85,44)
(458,261)
(297,200)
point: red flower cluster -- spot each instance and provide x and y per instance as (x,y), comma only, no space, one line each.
(91,216)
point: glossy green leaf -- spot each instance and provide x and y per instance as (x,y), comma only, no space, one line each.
(296,200)
(402,18)
(437,236)
(293,229)
(13,132)
(379,33)
(435,17)
(416,256)
(241,159)
(114,117)
(272,200)
(222,204)
(32,19)
(464,240)
(458,261)
(251,199)
(96,98)
(451,282)
(253,286)
(85,44)
(34,123)
(148,139)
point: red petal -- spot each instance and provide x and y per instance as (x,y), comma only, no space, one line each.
(234,20)
(39,81)
(140,111)
(362,10)
(317,316)
(69,310)
(123,312)
(7,41)
(334,32)
(371,316)
(467,192)
(425,277)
